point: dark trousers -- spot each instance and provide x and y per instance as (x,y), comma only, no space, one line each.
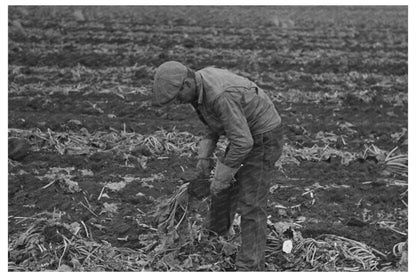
(248,196)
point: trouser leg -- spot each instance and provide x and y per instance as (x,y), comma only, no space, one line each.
(222,210)
(252,206)
(254,181)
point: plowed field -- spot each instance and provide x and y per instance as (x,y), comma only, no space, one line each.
(95,158)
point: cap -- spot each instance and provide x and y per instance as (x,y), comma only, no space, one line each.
(168,80)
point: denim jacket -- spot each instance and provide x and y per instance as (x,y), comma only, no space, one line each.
(236,107)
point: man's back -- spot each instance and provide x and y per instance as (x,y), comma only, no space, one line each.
(222,86)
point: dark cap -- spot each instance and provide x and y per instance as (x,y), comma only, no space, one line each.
(168,80)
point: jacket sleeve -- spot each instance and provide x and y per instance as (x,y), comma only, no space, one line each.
(210,134)
(236,129)
(205,149)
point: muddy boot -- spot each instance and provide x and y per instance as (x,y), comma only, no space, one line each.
(222,210)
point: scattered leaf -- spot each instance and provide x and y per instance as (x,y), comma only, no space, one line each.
(69,186)
(116,186)
(109,208)
(274,188)
(187,263)
(86,172)
(64,268)
(79,16)
(228,248)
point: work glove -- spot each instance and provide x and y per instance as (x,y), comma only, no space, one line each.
(222,177)
(204,167)
(205,149)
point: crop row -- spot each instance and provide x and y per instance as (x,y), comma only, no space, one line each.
(219,16)
(163,142)
(264,38)
(244,60)
(26,80)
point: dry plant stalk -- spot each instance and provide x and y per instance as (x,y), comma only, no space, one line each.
(395,164)
(68,248)
(170,214)
(83,142)
(337,253)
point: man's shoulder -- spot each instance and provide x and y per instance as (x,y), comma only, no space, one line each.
(213,70)
(219,75)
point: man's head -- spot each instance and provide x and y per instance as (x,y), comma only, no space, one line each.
(173,82)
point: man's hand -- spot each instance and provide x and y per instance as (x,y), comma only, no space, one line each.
(222,178)
(216,187)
